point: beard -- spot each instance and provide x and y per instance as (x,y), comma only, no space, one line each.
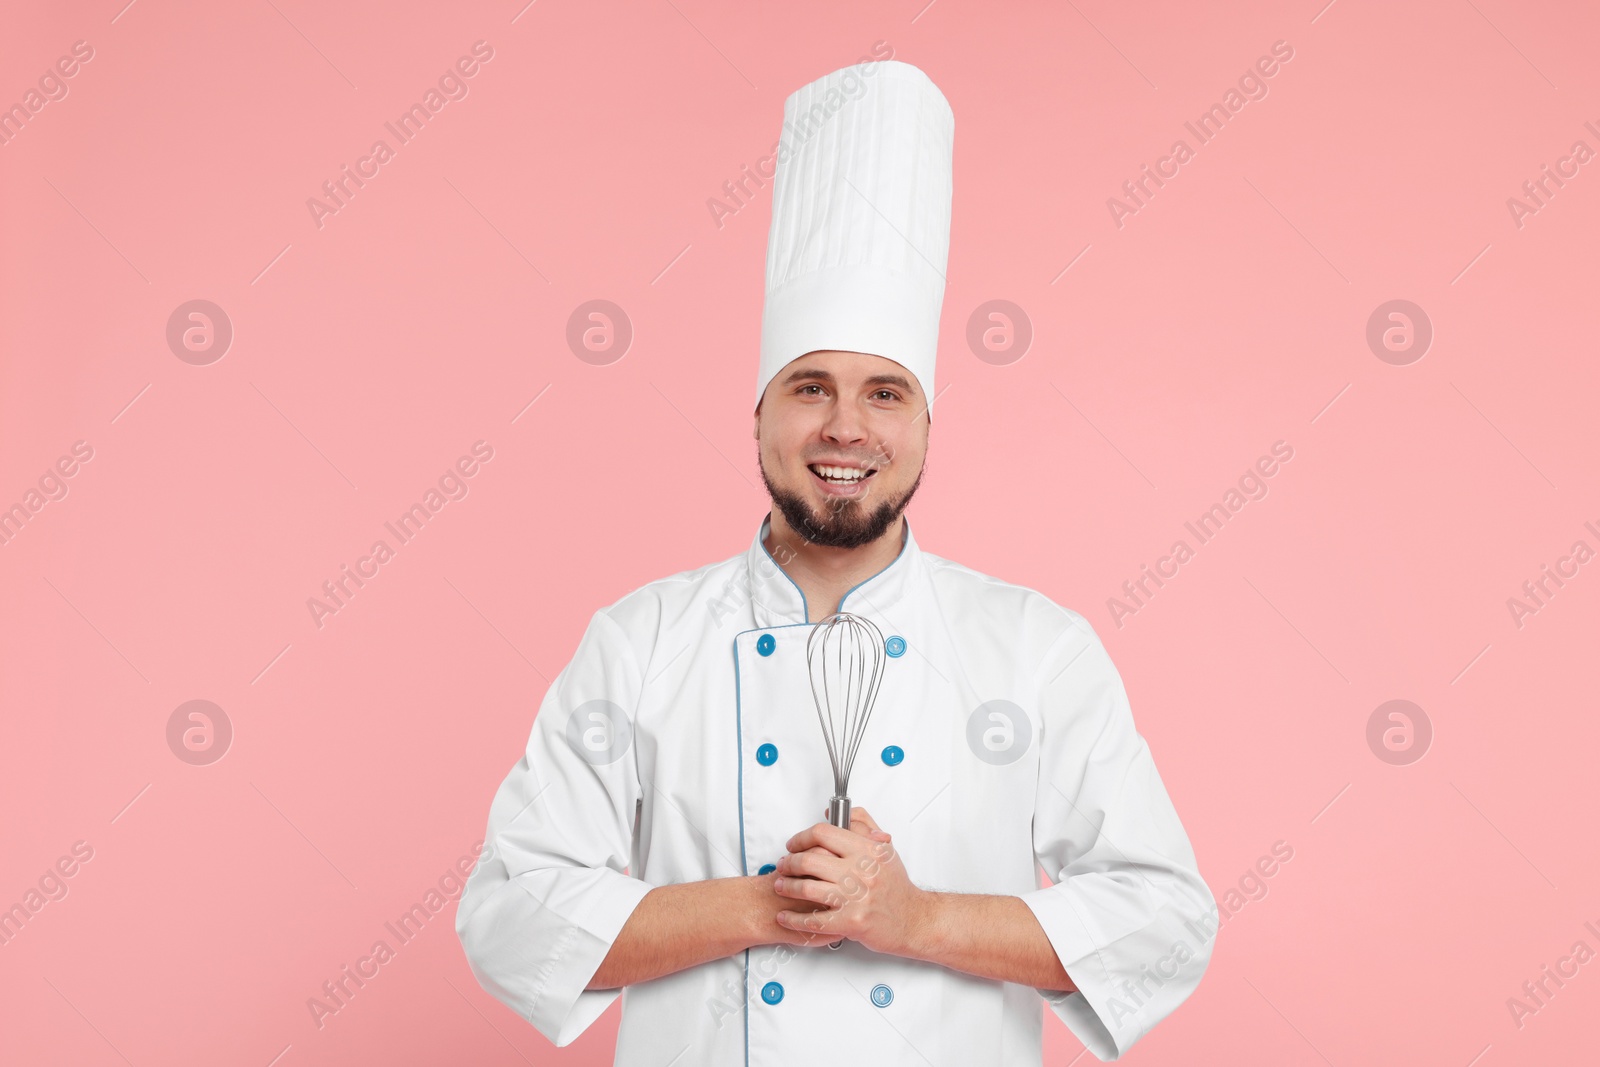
(843,522)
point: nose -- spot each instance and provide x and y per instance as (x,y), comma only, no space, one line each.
(845,425)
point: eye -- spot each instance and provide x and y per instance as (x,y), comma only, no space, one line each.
(813,385)
(891,394)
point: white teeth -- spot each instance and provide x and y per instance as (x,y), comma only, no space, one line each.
(840,474)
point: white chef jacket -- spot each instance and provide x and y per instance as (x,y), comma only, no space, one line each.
(682,743)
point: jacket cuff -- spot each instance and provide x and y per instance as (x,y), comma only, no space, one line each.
(538,960)
(1087,1011)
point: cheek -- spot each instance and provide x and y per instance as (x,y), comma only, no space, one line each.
(905,456)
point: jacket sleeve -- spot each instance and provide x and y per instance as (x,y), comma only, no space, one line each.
(1128,914)
(549,895)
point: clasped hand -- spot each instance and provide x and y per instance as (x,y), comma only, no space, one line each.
(857,878)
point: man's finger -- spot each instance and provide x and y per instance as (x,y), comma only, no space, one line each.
(820,921)
(813,863)
(862,821)
(822,835)
(816,890)
(858,825)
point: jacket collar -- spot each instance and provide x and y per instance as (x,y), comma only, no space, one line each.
(778,601)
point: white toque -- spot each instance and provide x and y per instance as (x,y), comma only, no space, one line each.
(860,221)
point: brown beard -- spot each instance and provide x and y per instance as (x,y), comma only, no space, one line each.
(848,523)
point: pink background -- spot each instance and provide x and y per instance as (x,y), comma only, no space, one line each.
(368,354)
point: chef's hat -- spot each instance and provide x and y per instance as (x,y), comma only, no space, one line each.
(860,221)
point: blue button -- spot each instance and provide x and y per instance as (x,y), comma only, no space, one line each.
(882,995)
(893,755)
(764,645)
(767,868)
(772,992)
(767,754)
(895,646)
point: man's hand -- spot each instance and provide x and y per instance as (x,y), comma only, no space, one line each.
(768,905)
(857,878)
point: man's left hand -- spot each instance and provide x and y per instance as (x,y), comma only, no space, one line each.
(858,877)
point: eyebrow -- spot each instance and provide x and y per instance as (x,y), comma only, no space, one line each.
(818,374)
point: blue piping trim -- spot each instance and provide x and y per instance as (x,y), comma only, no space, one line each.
(805,609)
(744,864)
(906,541)
(766,524)
(738,752)
(738,721)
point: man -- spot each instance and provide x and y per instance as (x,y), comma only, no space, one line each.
(663,834)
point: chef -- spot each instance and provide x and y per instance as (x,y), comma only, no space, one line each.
(663,836)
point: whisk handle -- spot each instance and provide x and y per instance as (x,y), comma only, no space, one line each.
(839,812)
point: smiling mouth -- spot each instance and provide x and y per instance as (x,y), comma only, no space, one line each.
(842,476)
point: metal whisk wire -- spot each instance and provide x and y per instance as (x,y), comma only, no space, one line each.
(845,657)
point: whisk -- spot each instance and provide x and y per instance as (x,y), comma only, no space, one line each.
(845,657)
